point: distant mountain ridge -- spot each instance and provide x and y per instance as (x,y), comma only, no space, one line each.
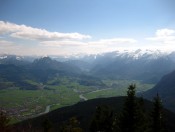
(144,65)
(48,63)
(148,66)
(19,72)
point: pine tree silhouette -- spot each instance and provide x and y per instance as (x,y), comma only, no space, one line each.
(103,119)
(133,118)
(158,124)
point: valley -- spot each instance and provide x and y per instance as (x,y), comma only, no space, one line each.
(32,86)
(87,66)
(23,104)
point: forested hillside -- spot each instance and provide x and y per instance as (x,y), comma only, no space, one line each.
(166,89)
(108,114)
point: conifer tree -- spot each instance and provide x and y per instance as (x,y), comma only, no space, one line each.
(141,117)
(47,125)
(4,121)
(103,120)
(157,115)
(128,117)
(71,126)
(133,118)
(116,122)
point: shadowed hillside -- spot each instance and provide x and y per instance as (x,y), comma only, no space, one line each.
(84,112)
(166,89)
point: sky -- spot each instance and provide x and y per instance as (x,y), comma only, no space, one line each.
(69,27)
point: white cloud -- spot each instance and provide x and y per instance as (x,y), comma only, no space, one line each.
(4,43)
(164,32)
(26,32)
(98,46)
(164,36)
(6,27)
(8,47)
(55,42)
(62,43)
(102,42)
(115,41)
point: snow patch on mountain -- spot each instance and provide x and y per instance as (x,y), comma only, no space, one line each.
(3,57)
(136,54)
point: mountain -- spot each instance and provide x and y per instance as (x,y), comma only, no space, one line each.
(166,89)
(48,66)
(48,63)
(30,75)
(147,66)
(12,59)
(16,60)
(144,65)
(10,75)
(82,64)
(84,112)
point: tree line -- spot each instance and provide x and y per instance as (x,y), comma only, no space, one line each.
(133,117)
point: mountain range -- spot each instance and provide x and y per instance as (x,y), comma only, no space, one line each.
(144,65)
(18,73)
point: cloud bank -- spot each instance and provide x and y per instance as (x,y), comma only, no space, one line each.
(26,32)
(22,39)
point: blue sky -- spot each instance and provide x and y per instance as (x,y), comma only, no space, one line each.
(85,26)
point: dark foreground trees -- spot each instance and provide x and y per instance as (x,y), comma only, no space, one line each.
(71,126)
(4,121)
(158,123)
(103,120)
(47,125)
(133,117)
